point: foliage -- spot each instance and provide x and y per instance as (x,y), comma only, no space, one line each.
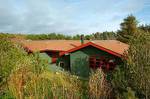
(130,94)
(136,69)
(51,36)
(11,36)
(26,76)
(145,28)
(45,85)
(119,82)
(138,64)
(54,36)
(128,29)
(104,36)
(99,88)
(121,89)
(10,55)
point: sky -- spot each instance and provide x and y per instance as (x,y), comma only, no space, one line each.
(69,16)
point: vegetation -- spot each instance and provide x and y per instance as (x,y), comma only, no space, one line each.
(99,88)
(128,29)
(25,76)
(138,64)
(133,75)
(53,36)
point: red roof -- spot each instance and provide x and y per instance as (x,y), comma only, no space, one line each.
(111,46)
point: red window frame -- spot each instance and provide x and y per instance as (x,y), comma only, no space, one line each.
(101,62)
(96,62)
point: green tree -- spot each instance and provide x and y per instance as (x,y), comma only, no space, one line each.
(108,35)
(76,37)
(128,29)
(145,28)
(96,35)
(104,35)
(138,64)
(136,69)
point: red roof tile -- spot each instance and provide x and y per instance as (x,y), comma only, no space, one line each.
(65,45)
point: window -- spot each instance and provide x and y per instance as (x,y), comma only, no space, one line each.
(61,64)
(111,63)
(101,62)
(97,62)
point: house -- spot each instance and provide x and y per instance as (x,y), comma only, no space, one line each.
(79,57)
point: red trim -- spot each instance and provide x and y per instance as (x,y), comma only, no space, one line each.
(94,45)
(54,59)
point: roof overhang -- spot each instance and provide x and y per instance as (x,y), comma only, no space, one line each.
(45,50)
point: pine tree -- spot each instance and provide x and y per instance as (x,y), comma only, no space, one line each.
(128,29)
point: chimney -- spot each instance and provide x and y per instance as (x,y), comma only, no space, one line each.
(82,39)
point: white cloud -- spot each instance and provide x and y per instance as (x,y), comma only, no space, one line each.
(65,16)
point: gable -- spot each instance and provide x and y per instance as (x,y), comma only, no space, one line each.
(95,46)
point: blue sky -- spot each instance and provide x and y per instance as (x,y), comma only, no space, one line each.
(69,16)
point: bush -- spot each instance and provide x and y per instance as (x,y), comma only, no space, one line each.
(135,72)
(138,65)
(26,76)
(11,56)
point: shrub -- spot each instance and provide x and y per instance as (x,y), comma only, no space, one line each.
(138,65)
(135,72)
(10,55)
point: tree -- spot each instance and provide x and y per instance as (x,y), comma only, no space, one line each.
(128,29)
(76,37)
(136,69)
(138,64)
(96,35)
(104,35)
(108,35)
(145,28)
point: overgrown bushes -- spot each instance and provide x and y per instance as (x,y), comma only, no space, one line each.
(135,73)
(138,64)
(26,76)
(11,56)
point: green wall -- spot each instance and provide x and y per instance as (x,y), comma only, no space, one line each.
(79,60)
(45,57)
(79,63)
(66,60)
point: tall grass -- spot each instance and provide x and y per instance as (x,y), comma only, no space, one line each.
(35,82)
(99,88)
(46,85)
